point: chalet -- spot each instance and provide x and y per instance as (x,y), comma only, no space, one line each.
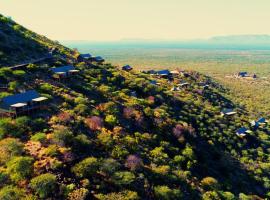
(21,103)
(84,57)
(242,74)
(163,73)
(228,112)
(127,68)
(98,59)
(151,72)
(64,71)
(254,124)
(242,131)
(262,121)
(259,122)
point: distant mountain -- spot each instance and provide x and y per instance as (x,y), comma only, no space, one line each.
(232,42)
(241,39)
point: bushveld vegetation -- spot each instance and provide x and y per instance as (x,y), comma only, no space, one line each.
(218,64)
(97,141)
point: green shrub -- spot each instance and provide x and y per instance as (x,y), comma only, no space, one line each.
(10,147)
(123,178)
(39,137)
(20,168)
(11,193)
(86,168)
(209,183)
(163,192)
(44,185)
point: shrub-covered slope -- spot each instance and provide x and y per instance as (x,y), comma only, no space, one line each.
(111,134)
(18,44)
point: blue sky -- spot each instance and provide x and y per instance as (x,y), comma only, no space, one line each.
(107,20)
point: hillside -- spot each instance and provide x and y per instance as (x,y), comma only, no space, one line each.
(18,45)
(107,134)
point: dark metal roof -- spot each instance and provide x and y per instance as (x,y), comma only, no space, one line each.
(261,120)
(127,67)
(98,58)
(227,110)
(19,98)
(86,55)
(163,72)
(62,69)
(242,130)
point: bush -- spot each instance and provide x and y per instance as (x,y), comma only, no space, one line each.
(11,193)
(109,166)
(123,178)
(79,194)
(94,123)
(111,120)
(39,137)
(124,195)
(165,193)
(9,127)
(211,195)
(86,168)
(20,168)
(62,136)
(209,183)
(44,185)
(10,147)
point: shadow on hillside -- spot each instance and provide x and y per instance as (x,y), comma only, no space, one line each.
(226,169)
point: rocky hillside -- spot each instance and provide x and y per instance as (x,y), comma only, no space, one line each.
(112,134)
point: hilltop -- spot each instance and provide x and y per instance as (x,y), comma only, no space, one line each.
(18,44)
(107,133)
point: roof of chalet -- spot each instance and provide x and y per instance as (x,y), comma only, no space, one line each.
(64,69)
(261,120)
(126,67)
(242,130)
(228,111)
(86,55)
(19,98)
(163,72)
(98,58)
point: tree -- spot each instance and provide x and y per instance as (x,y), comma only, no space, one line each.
(10,147)
(86,168)
(44,185)
(20,168)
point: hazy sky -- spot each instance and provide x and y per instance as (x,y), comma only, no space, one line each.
(144,19)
